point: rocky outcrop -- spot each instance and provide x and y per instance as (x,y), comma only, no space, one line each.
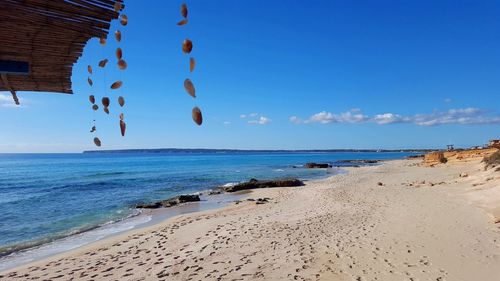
(457,156)
(253,184)
(170,202)
(361,161)
(434,158)
(419,156)
(313,165)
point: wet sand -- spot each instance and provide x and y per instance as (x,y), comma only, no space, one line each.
(396,221)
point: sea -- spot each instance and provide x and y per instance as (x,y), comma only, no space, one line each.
(51,203)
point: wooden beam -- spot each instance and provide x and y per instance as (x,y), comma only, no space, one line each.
(14,67)
(5,81)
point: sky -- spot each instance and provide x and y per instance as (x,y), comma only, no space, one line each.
(280,74)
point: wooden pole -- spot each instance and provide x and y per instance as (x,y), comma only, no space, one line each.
(7,85)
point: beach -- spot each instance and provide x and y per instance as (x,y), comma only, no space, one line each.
(396,221)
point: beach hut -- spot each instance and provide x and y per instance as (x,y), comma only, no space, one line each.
(42,40)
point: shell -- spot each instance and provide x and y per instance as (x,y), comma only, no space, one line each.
(118,6)
(90,81)
(187,46)
(189,87)
(184,10)
(123,127)
(102,41)
(119,53)
(93,129)
(121,116)
(122,64)
(116,85)
(103,63)
(89,69)
(192,64)
(92,99)
(118,35)
(95,107)
(97,141)
(124,19)
(105,101)
(121,101)
(182,22)
(106,110)
(197,117)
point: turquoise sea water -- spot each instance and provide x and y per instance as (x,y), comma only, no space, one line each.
(48,196)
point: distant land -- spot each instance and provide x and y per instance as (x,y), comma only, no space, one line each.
(207,150)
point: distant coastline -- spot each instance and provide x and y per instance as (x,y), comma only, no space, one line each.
(209,150)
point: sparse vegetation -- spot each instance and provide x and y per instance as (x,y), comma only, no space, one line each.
(493,160)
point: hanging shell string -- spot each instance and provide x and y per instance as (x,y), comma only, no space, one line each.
(122,65)
(187,47)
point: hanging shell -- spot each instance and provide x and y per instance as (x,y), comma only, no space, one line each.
(93,129)
(95,107)
(187,46)
(182,22)
(106,110)
(118,35)
(184,10)
(192,64)
(119,53)
(121,116)
(116,85)
(89,69)
(102,41)
(188,85)
(121,101)
(122,64)
(123,127)
(92,99)
(103,63)
(118,6)
(105,101)
(97,141)
(124,20)
(196,114)
(90,81)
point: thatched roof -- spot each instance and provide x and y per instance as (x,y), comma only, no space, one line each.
(50,36)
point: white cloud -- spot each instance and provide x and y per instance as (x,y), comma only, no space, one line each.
(448,100)
(387,118)
(261,121)
(226,123)
(323,117)
(461,116)
(243,116)
(353,116)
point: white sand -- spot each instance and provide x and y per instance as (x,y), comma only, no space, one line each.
(346,227)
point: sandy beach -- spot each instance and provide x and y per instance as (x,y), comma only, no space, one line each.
(395,221)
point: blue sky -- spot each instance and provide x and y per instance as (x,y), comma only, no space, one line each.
(281,75)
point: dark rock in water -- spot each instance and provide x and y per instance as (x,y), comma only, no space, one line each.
(170,202)
(214,192)
(415,156)
(313,165)
(253,184)
(364,161)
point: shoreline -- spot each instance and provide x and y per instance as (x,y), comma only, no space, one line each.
(392,221)
(145,218)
